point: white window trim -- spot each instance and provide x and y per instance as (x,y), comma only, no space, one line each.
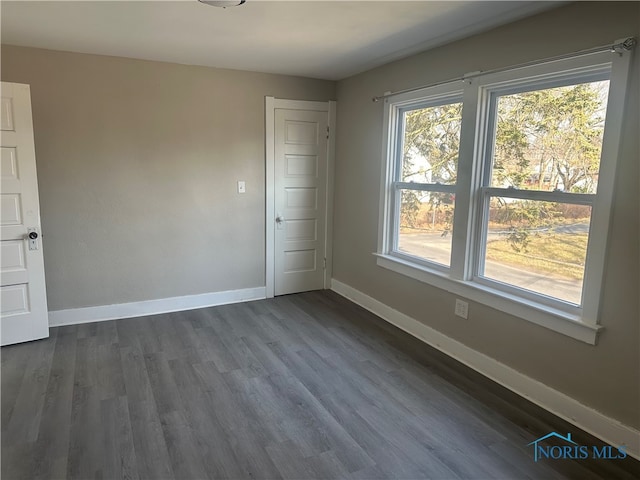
(579,323)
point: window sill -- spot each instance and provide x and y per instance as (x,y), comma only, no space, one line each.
(543,315)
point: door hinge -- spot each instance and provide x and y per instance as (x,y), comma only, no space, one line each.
(327,133)
(324,266)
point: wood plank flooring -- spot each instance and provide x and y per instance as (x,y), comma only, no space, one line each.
(296,387)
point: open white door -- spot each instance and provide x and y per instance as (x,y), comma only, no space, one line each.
(298,217)
(23,298)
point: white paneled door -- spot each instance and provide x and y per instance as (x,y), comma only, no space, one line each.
(23,299)
(300,199)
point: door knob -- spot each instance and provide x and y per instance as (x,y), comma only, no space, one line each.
(279,219)
(32,238)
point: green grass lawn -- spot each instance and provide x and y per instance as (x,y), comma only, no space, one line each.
(556,254)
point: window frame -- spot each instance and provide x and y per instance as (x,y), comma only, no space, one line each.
(486,191)
(443,97)
(473,187)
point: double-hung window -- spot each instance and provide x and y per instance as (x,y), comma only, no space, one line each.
(499,188)
(425,176)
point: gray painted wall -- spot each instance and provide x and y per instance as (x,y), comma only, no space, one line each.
(137,167)
(605,377)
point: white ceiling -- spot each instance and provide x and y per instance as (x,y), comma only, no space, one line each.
(328,39)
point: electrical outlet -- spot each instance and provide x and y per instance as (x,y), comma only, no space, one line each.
(462,308)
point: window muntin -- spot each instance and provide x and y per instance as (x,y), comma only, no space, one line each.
(426,172)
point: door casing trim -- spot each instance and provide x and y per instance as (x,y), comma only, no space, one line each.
(271,104)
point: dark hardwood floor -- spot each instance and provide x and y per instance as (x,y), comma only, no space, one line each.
(300,386)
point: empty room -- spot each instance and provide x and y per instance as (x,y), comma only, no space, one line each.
(255,239)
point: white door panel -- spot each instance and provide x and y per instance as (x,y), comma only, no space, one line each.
(14,299)
(14,264)
(6,115)
(300,197)
(23,300)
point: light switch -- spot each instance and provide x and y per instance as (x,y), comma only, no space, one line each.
(241,186)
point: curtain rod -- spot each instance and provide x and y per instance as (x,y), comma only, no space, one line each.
(619,47)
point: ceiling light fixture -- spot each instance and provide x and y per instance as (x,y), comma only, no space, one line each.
(223,3)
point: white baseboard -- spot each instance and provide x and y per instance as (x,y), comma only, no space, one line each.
(565,407)
(153,307)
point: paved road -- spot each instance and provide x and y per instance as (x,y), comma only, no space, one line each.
(436,248)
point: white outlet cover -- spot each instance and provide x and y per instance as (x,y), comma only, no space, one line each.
(462,308)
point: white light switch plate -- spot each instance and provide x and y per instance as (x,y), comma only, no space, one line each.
(241,187)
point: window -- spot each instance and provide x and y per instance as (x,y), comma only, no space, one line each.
(540,179)
(499,188)
(425,178)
